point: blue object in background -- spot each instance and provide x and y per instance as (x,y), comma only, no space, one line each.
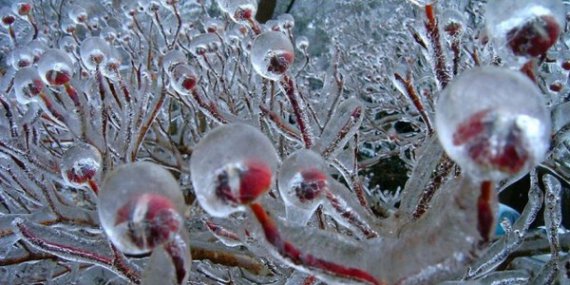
(506,212)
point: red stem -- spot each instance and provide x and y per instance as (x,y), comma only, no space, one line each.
(296,256)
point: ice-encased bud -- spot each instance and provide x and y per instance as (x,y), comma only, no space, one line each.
(302,181)
(21,57)
(77,14)
(272,54)
(173,58)
(239,10)
(493,122)
(80,163)
(232,166)
(183,78)
(204,44)
(139,207)
(94,52)
(55,67)
(27,85)
(527,27)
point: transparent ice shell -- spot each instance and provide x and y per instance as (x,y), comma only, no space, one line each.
(55,67)
(302,180)
(272,54)
(239,10)
(94,52)
(224,153)
(140,206)
(522,24)
(27,85)
(183,78)
(493,123)
(80,163)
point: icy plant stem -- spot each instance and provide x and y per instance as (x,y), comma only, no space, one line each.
(435,39)
(294,255)
(413,95)
(552,220)
(349,215)
(67,251)
(501,249)
(300,112)
(485,213)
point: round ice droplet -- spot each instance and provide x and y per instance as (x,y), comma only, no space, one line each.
(204,44)
(21,57)
(493,123)
(80,164)
(55,67)
(272,54)
(27,85)
(302,181)
(94,51)
(22,8)
(183,78)
(527,28)
(172,58)
(239,10)
(232,166)
(77,14)
(139,207)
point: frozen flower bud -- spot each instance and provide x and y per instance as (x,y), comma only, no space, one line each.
(183,78)
(139,207)
(239,10)
(272,54)
(27,85)
(302,181)
(94,51)
(21,57)
(232,166)
(493,123)
(528,27)
(79,164)
(55,67)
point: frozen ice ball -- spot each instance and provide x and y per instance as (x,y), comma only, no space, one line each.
(493,123)
(80,163)
(55,67)
(139,207)
(239,10)
(303,179)
(527,27)
(232,166)
(94,51)
(272,54)
(27,85)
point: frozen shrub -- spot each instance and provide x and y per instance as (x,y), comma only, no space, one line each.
(340,142)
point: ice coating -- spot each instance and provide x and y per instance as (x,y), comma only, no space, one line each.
(27,85)
(80,163)
(139,207)
(493,123)
(302,181)
(272,54)
(230,163)
(529,28)
(55,67)
(94,52)
(183,78)
(239,10)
